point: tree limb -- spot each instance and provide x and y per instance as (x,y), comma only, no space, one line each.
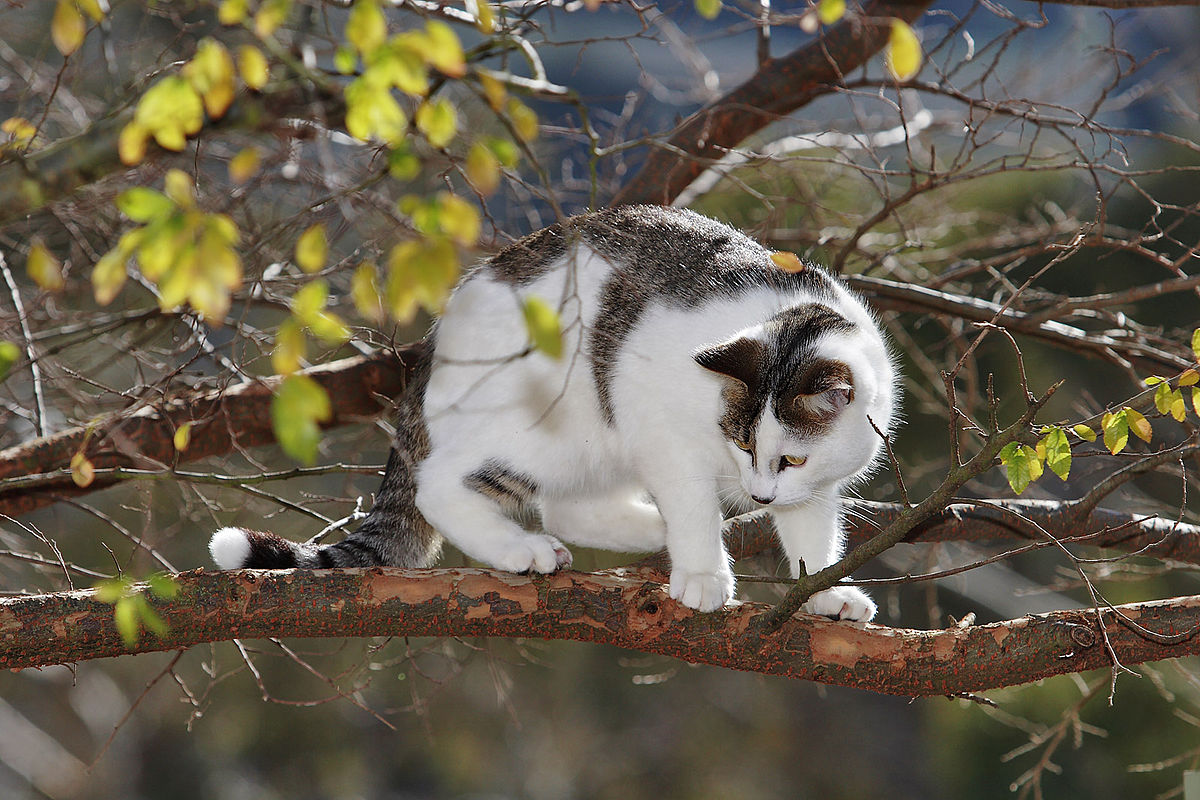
(624,610)
(239,416)
(779,87)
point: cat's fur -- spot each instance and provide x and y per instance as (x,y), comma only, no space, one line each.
(684,344)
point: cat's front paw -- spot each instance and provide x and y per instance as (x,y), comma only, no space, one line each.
(842,602)
(703,591)
(536,553)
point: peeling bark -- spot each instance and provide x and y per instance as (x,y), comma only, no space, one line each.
(616,607)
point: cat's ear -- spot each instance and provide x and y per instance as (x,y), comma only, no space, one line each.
(740,359)
(828,388)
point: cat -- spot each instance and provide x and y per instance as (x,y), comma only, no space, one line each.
(695,373)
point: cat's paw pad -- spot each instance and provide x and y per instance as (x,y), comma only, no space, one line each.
(536,553)
(703,591)
(842,602)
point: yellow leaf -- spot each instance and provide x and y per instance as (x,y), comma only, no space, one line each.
(182,437)
(903,56)
(170,110)
(524,120)
(1138,424)
(709,9)
(483,168)
(542,323)
(366,27)
(271,14)
(44,268)
(1084,432)
(131,144)
(92,8)
(19,129)
(83,472)
(1178,407)
(372,112)
(364,291)
(180,187)
(1196,399)
(232,12)
(481,10)
(299,405)
(108,276)
(67,27)
(788,262)
(458,219)
(493,90)
(210,72)
(445,51)
(290,348)
(253,67)
(1189,377)
(244,165)
(1196,343)
(438,120)
(312,250)
(830,11)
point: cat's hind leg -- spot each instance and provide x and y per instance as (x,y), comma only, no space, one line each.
(620,520)
(469,510)
(812,532)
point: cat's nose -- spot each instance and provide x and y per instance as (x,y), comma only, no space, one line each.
(762,501)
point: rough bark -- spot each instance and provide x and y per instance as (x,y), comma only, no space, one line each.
(223,420)
(611,608)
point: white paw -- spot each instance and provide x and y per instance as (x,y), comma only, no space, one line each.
(842,602)
(535,553)
(703,591)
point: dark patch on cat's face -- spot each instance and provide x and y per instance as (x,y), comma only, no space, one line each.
(806,391)
(510,489)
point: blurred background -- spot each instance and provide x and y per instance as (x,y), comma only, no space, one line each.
(1028,125)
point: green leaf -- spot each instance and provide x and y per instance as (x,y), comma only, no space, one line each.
(709,9)
(344,60)
(125,615)
(312,250)
(142,204)
(150,619)
(1116,431)
(542,323)
(297,408)
(9,353)
(1154,380)
(1084,432)
(1162,398)
(1058,452)
(1021,464)
(110,590)
(163,585)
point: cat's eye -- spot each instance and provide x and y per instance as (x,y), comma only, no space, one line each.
(792,461)
(740,445)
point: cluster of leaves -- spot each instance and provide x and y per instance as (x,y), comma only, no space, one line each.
(1025,464)
(132,612)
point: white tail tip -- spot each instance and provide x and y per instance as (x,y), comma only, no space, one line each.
(230,547)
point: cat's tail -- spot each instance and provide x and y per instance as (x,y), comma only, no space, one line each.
(393,534)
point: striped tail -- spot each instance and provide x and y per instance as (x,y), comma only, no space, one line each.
(393,534)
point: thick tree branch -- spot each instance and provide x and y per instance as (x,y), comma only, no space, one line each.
(612,608)
(779,87)
(239,416)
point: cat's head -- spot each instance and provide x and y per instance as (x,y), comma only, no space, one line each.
(797,394)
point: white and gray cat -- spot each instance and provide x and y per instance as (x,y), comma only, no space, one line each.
(695,373)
